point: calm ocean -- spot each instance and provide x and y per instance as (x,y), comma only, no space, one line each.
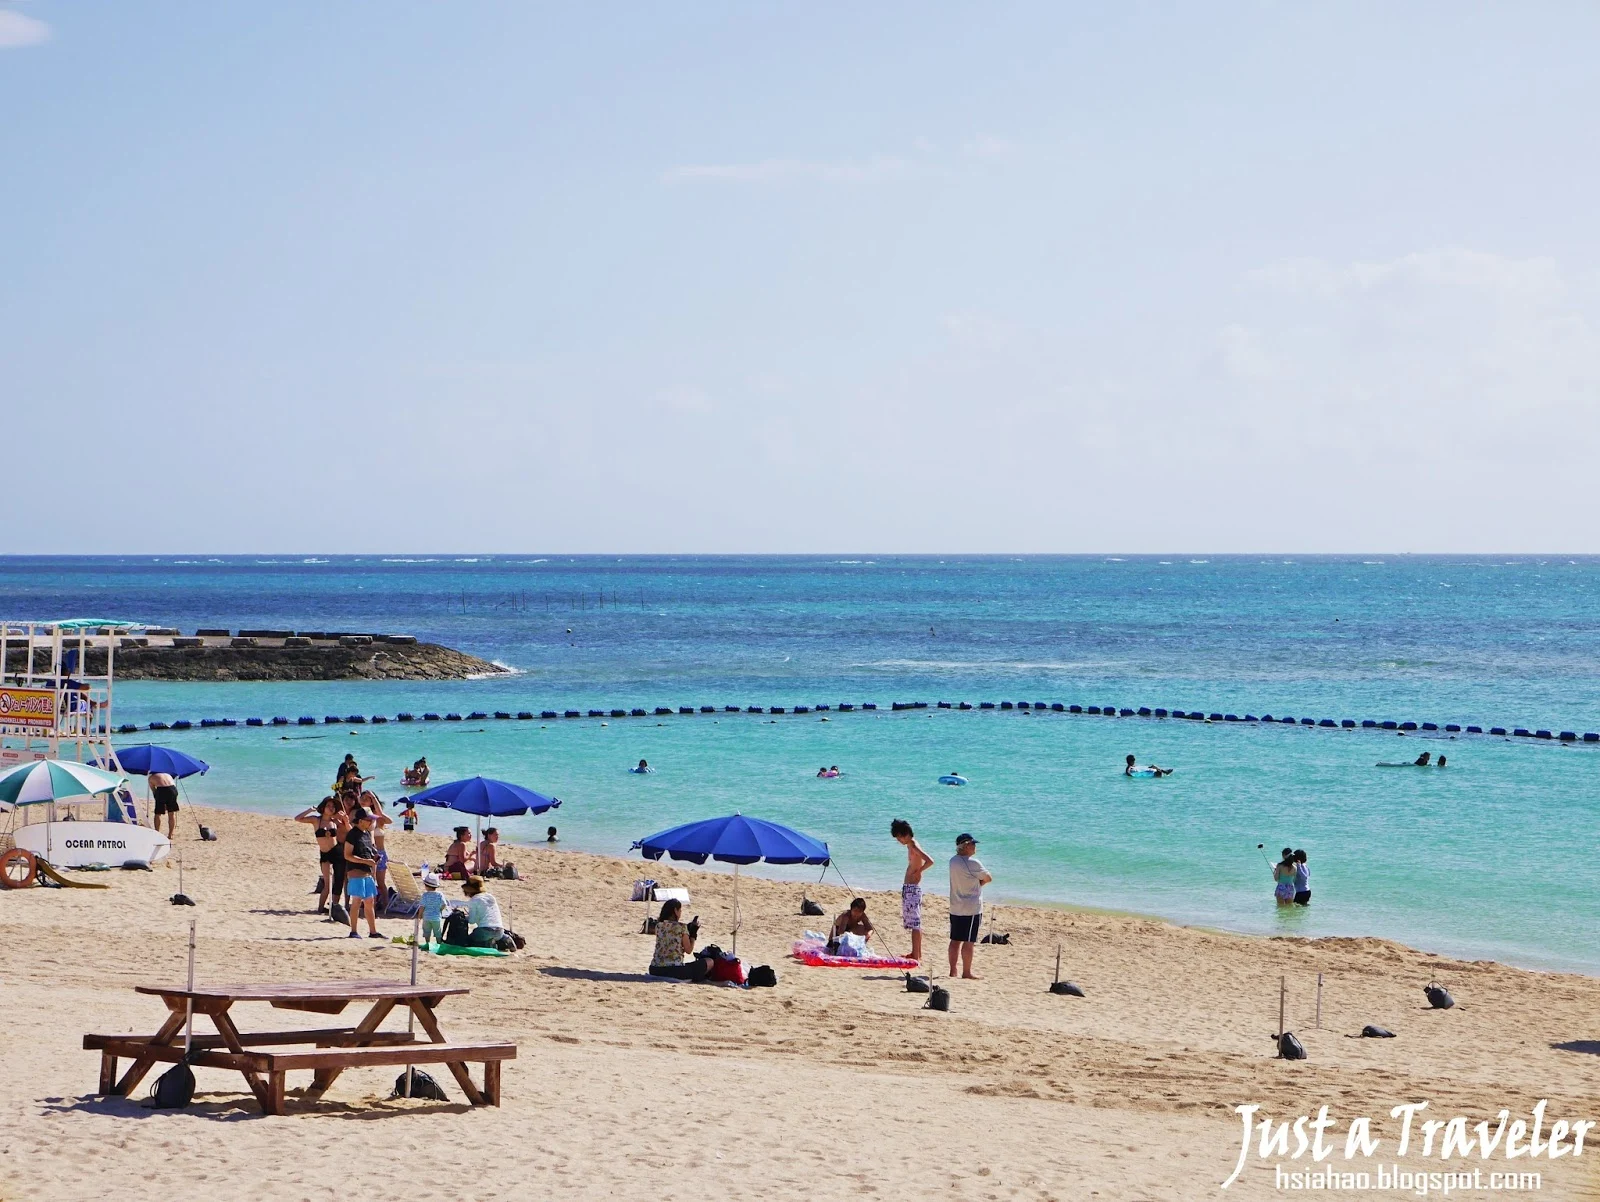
(1490,857)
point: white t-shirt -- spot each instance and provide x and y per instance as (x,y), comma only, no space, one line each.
(484,911)
(966,889)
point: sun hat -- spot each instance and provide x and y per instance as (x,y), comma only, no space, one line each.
(430,880)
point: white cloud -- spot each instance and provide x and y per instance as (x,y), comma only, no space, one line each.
(987,147)
(776,170)
(19,30)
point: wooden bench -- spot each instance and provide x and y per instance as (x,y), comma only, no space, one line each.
(382,1049)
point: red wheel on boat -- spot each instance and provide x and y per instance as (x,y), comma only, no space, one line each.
(18,868)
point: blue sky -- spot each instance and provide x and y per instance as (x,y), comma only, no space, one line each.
(760,277)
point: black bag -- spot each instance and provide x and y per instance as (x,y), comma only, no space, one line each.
(938,999)
(810,908)
(1066,988)
(1290,1048)
(649,927)
(1371,1032)
(517,941)
(337,913)
(207,835)
(506,943)
(173,1089)
(711,952)
(762,976)
(1439,997)
(916,984)
(456,929)
(422,1086)
(509,873)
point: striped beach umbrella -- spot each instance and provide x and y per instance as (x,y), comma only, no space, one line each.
(52,780)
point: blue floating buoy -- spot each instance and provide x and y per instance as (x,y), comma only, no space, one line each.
(254,722)
(752,709)
(1057,707)
(430,717)
(845,707)
(1522,732)
(1499,730)
(663,709)
(636,712)
(730,709)
(1451,726)
(964,705)
(1430,726)
(127,728)
(686,709)
(822,709)
(610,713)
(1217,718)
(1568,736)
(1308,721)
(1591,737)
(1094,709)
(379,718)
(986,705)
(1390,724)
(1160,713)
(476,716)
(502,715)
(600,714)
(1368,724)
(922,705)
(359,719)
(777,709)
(869,705)
(897,706)
(571,714)
(1075,709)
(1251,718)
(708,709)
(527,715)
(1474,730)
(158,726)
(1327,722)
(452,717)
(1268,718)
(1348,723)
(944,705)
(182,724)
(1006,705)
(1286,721)
(806,709)
(1144,711)
(1408,726)
(280,721)
(305,720)
(1541,734)
(1125,713)
(210,721)
(546,714)
(230,722)
(331,719)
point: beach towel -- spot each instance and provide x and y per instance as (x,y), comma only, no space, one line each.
(814,952)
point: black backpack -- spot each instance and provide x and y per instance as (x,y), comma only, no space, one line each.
(1439,997)
(174,1088)
(762,976)
(421,1086)
(456,929)
(337,913)
(809,907)
(1290,1048)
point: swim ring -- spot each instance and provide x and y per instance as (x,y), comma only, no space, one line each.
(952,779)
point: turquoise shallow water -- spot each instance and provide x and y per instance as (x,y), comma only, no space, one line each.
(1487,858)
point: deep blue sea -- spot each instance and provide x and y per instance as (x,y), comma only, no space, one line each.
(1490,857)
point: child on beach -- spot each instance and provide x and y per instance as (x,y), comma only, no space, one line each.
(433,904)
(917,862)
(408,816)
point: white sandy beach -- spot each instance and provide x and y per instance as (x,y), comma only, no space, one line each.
(835,1084)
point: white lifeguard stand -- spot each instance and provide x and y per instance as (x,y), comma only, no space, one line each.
(55,690)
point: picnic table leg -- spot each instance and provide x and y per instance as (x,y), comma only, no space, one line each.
(108,1073)
(143,1064)
(458,1069)
(491,1081)
(230,1036)
(274,1103)
(324,1077)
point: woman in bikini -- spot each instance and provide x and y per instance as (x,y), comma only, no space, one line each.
(327,816)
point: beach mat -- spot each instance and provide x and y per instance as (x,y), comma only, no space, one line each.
(816,955)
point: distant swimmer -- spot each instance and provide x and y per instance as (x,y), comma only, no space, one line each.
(1439,763)
(952,778)
(644,768)
(829,773)
(1133,769)
(1422,761)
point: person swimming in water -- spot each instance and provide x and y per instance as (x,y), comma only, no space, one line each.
(1439,763)
(1133,769)
(643,769)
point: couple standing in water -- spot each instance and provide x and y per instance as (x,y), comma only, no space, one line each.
(1292,878)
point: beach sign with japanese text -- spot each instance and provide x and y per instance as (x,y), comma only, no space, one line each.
(27,709)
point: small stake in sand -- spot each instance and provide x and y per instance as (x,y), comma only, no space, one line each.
(1063,987)
(1319,1001)
(1283,1001)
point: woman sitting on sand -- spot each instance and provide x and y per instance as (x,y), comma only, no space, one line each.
(459,857)
(673,942)
(483,912)
(1283,878)
(331,827)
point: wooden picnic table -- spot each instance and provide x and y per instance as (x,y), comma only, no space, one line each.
(332,1050)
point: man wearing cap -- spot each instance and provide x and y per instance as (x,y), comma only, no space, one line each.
(967,879)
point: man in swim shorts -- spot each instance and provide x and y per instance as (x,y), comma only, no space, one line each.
(967,879)
(165,790)
(917,862)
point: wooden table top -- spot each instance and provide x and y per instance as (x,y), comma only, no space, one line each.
(306,991)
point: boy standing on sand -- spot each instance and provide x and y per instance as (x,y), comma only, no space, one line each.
(917,862)
(967,879)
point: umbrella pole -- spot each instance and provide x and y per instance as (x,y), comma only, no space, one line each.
(735,909)
(411,1014)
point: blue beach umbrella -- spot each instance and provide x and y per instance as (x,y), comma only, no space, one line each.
(734,840)
(145,758)
(485,798)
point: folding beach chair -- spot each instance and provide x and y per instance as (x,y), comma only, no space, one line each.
(407,892)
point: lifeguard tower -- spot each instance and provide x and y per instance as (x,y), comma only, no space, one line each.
(55,704)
